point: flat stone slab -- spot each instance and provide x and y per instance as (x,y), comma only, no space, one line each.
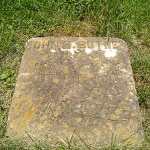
(76,84)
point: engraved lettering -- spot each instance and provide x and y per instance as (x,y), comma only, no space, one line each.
(99,45)
(53,45)
(90,44)
(82,44)
(44,44)
(29,44)
(37,44)
(66,45)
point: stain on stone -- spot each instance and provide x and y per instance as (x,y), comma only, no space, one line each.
(18,110)
(103,115)
(78,119)
(21,118)
(65,70)
(30,112)
(58,108)
(56,114)
(114,117)
(32,62)
(23,126)
(55,80)
(133,114)
(86,74)
(97,102)
(118,111)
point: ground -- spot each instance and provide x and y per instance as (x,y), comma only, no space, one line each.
(21,20)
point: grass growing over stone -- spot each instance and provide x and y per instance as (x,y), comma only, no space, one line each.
(22,19)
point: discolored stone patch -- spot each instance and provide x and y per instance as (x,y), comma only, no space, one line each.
(76,84)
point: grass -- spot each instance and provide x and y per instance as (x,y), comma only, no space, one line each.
(23,19)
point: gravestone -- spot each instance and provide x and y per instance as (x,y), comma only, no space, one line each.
(76,84)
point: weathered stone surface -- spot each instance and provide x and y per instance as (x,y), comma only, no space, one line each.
(67,84)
